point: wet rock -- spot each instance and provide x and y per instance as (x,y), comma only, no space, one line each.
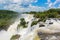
(59,19)
(41,25)
(49,36)
(4,28)
(53,38)
(36,37)
(51,23)
(15,37)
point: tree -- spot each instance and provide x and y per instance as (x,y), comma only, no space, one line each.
(22,23)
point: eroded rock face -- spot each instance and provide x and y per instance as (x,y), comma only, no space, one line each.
(15,37)
(46,36)
(41,25)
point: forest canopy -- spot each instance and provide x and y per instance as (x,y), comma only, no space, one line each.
(6,18)
(51,13)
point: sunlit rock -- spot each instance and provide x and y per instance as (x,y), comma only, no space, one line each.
(49,36)
(36,37)
(15,37)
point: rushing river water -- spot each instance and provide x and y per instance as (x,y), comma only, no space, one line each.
(48,32)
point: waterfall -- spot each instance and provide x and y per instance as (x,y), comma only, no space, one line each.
(6,35)
(31,33)
(27,33)
(29,25)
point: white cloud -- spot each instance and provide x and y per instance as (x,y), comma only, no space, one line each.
(59,6)
(16,1)
(57,1)
(52,4)
(21,1)
(2,1)
(48,1)
(18,7)
(36,8)
(22,9)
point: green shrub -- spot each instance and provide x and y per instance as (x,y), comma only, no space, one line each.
(14,37)
(7,18)
(34,23)
(23,23)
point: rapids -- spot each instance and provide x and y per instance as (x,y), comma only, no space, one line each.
(48,32)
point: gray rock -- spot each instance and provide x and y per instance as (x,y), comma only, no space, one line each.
(47,36)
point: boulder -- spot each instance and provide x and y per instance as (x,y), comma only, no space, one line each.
(14,37)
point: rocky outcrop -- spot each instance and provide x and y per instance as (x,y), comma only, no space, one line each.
(15,37)
(49,36)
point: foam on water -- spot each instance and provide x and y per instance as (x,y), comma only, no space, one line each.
(29,33)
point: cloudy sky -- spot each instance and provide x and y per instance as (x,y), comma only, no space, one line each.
(28,5)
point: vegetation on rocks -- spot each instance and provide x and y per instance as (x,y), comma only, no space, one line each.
(7,17)
(15,37)
(23,23)
(37,37)
(34,23)
(51,13)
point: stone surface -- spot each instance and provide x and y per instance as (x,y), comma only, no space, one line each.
(15,37)
(46,36)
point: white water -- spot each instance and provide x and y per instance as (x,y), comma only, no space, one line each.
(30,32)
(6,35)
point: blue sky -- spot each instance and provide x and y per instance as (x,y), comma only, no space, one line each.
(28,5)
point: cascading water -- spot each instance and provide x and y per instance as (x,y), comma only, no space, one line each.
(6,35)
(32,33)
(27,35)
(12,30)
